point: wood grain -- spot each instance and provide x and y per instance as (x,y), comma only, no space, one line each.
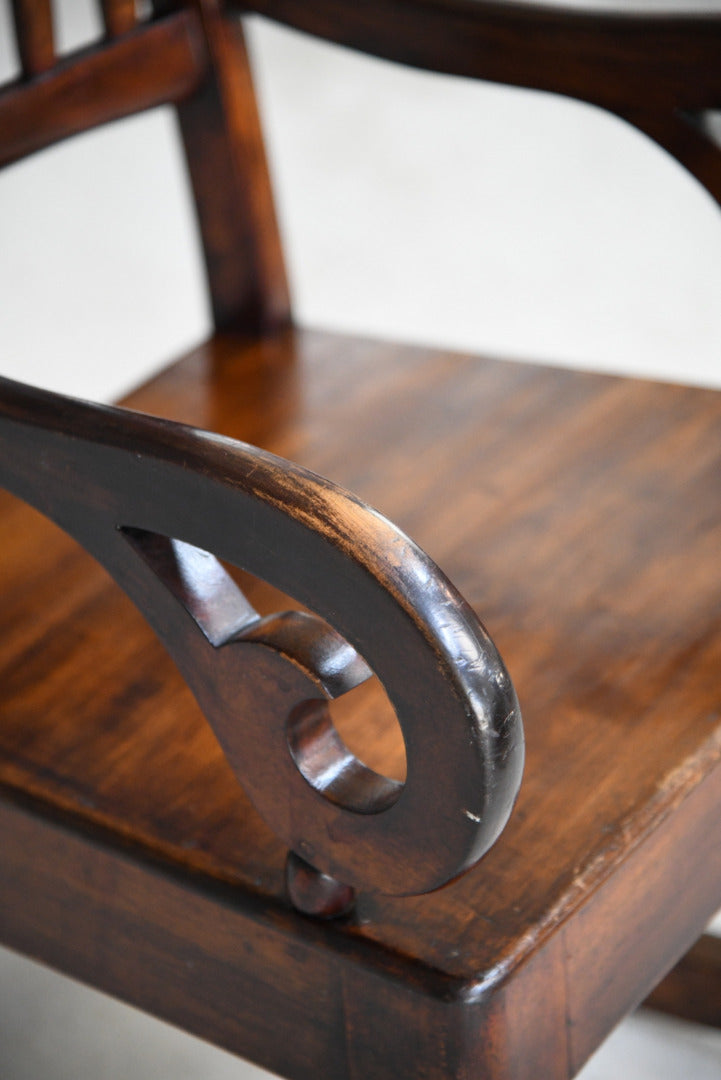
(580,514)
(226,158)
(151,500)
(584,524)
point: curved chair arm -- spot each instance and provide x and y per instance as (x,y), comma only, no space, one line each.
(150,499)
(659,71)
(616,59)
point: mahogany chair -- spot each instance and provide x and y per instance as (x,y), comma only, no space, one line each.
(239,870)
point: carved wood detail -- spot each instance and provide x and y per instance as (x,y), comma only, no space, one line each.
(150,499)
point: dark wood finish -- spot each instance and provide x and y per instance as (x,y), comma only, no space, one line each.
(119,16)
(314,893)
(692,990)
(196,59)
(243,972)
(580,514)
(616,59)
(658,71)
(585,525)
(153,65)
(687,136)
(226,158)
(34,35)
(263,683)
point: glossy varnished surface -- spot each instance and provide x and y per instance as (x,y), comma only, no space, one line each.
(149,66)
(151,499)
(658,69)
(579,514)
(623,57)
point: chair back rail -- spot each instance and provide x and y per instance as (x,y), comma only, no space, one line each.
(154,65)
(193,57)
(618,59)
(659,71)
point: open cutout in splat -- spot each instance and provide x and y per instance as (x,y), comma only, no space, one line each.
(330,739)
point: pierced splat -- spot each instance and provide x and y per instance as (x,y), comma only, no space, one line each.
(199,582)
(150,499)
(224,616)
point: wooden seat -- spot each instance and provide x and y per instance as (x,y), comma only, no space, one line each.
(580,517)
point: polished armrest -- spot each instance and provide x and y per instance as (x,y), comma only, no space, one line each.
(620,59)
(659,71)
(150,499)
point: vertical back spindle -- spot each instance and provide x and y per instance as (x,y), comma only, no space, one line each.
(34,31)
(220,127)
(119,16)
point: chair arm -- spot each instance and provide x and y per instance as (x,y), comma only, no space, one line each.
(150,499)
(659,71)
(623,59)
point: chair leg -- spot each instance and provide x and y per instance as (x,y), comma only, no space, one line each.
(692,990)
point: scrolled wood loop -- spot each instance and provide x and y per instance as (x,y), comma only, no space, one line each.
(150,499)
